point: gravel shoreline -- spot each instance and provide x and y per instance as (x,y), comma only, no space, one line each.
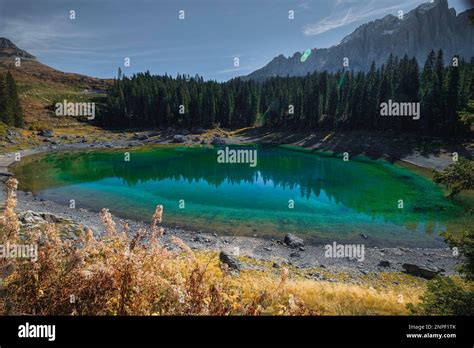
(376,259)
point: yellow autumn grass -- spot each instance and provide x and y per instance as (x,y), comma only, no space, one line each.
(333,298)
(132,273)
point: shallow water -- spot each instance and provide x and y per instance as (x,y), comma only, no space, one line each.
(334,200)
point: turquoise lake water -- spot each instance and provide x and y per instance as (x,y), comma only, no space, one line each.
(333,200)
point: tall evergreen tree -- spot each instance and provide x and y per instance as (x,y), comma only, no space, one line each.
(16,109)
(319,100)
(439,94)
(10,108)
(4,114)
(452,98)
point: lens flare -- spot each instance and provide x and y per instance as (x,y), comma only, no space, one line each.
(305,55)
(341,80)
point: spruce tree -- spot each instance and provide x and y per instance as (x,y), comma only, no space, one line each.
(3,101)
(439,95)
(344,99)
(15,101)
(452,96)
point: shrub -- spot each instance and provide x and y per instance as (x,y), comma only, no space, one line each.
(458,177)
(133,273)
(446,296)
(465,245)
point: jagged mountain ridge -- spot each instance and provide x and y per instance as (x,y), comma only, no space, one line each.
(431,26)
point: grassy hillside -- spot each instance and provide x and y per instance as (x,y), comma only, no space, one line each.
(40,87)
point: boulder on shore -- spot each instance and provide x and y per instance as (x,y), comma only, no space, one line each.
(218,141)
(199,130)
(140,137)
(293,241)
(179,138)
(229,260)
(48,133)
(420,271)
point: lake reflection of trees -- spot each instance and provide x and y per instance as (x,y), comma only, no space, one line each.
(365,187)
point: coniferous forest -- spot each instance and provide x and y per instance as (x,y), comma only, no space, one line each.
(345,100)
(10,109)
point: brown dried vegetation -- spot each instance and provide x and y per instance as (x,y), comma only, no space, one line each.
(133,273)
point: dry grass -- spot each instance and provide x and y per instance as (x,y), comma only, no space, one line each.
(132,273)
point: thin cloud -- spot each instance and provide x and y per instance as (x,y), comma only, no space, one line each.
(227,71)
(304,5)
(26,32)
(353,14)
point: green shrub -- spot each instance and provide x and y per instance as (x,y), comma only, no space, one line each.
(446,296)
(465,245)
(458,177)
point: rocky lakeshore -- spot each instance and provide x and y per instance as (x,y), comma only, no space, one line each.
(421,262)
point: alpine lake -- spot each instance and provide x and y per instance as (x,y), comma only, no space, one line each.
(316,195)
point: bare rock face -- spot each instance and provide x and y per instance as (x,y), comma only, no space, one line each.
(9,49)
(431,26)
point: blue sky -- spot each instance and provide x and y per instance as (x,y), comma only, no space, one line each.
(213,33)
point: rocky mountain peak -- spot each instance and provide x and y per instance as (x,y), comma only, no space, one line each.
(430,26)
(9,49)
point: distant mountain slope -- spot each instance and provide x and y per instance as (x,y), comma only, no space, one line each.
(33,71)
(9,50)
(41,85)
(429,26)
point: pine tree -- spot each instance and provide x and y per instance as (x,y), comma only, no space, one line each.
(3,101)
(383,97)
(344,99)
(439,95)
(323,90)
(332,101)
(452,97)
(372,105)
(14,101)
(471,85)
(10,109)
(427,93)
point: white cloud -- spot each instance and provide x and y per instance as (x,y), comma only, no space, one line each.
(29,33)
(228,71)
(304,5)
(357,11)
